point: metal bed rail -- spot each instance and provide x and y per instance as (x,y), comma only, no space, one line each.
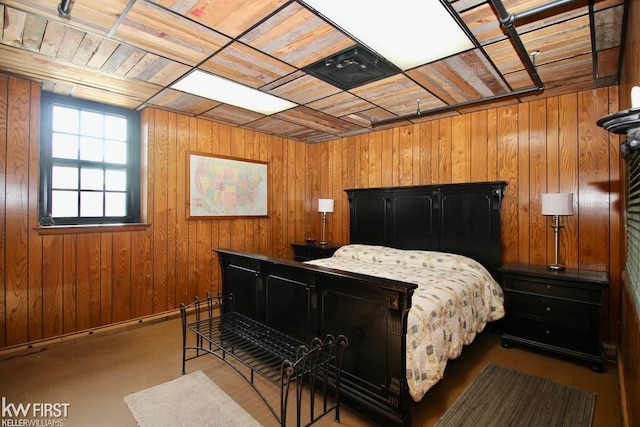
(277,357)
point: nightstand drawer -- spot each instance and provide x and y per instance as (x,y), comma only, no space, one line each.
(556,334)
(310,251)
(551,309)
(554,289)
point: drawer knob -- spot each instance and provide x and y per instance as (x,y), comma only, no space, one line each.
(548,308)
(548,332)
(548,286)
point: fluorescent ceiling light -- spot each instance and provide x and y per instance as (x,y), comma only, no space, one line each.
(219,89)
(406,32)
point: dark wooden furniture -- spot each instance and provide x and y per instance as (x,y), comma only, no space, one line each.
(557,311)
(303,300)
(457,218)
(250,348)
(309,251)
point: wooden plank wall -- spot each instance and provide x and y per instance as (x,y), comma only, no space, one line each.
(545,145)
(64,283)
(629,356)
(630,319)
(21,303)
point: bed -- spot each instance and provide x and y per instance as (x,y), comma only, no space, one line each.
(455,299)
(394,232)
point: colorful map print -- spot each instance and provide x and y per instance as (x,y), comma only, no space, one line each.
(226,187)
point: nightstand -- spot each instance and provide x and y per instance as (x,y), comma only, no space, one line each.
(557,311)
(309,251)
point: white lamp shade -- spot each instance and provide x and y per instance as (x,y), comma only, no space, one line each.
(557,204)
(325,205)
(635,97)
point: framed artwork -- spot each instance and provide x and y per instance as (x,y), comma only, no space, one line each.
(221,186)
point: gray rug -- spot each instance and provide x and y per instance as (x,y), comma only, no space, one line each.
(191,400)
(503,397)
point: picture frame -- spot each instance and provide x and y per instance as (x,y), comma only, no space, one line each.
(228,187)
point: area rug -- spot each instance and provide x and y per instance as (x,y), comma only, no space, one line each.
(191,400)
(499,396)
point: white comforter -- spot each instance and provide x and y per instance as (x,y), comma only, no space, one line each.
(455,299)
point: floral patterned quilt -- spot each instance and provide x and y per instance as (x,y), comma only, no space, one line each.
(455,299)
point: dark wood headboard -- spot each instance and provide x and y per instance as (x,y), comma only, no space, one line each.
(456,218)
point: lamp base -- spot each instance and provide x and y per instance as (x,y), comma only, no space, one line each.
(556,267)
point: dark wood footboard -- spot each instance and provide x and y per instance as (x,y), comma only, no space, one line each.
(304,301)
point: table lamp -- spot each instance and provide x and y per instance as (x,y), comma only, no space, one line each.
(557,205)
(324,206)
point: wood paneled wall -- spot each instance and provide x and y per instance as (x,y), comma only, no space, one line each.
(629,356)
(545,145)
(21,306)
(62,283)
(630,319)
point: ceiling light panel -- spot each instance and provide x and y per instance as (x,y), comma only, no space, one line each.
(219,89)
(408,33)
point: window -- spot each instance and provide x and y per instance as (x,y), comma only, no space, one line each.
(90,162)
(633,224)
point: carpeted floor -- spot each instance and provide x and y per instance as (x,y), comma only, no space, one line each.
(191,400)
(501,397)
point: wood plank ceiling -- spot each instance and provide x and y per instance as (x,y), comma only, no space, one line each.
(128,53)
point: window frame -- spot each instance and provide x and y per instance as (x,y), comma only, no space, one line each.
(133,165)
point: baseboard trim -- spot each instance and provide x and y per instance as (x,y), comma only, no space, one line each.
(42,345)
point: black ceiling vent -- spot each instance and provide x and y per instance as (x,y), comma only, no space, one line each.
(351,68)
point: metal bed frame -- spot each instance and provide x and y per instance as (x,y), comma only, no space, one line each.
(277,357)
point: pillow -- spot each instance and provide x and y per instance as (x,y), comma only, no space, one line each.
(410,257)
(371,253)
(364,253)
